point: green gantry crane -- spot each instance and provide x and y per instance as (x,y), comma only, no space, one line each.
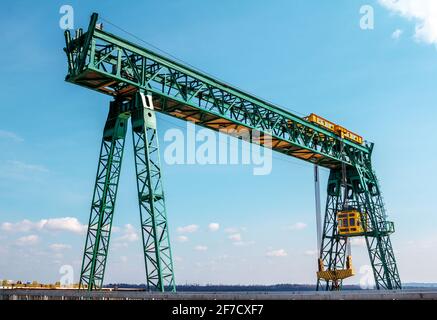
(143,82)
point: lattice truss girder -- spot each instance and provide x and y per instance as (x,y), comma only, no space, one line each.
(116,67)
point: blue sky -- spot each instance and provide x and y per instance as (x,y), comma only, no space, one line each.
(307,56)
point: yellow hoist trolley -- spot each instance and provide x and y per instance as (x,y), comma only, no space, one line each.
(351,223)
(335,128)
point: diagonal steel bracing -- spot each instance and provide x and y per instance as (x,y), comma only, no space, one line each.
(369,198)
(154,226)
(117,67)
(363,194)
(103,203)
(156,243)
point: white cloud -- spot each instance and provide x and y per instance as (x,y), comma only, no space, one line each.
(182,239)
(10,136)
(21,171)
(63,224)
(396,34)
(59,246)
(235,229)
(358,242)
(422,12)
(23,226)
(213,226)
(19,166)
(188,229)
(27,240)
(120,245)
(129,234)
(243,243)
(69,224)
(310,253)
(235,237)
(200,248)
(231,230)
(277,253)
(298,226)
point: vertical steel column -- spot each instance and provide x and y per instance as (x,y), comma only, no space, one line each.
(318,209)
(333,247)
(103,203)
(378,241)
(156,241)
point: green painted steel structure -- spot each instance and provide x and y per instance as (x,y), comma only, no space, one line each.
(363,193)
(156,243)
(155,235)
(142,82)
(103,203)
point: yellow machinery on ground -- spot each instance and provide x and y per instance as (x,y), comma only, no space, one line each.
(338,130)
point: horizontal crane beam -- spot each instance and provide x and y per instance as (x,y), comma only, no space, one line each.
(111,65)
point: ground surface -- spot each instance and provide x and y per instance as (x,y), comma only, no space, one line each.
(22,294)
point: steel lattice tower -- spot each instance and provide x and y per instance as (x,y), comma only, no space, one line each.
(156,242)
(363,193)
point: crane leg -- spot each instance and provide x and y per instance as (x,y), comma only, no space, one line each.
(380,249)
(155,234)
(102,207)
(333,247)
(363,193)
